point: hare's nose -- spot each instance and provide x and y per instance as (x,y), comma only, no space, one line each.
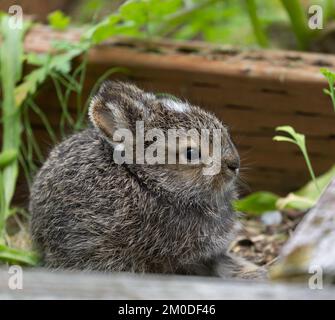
(231,158)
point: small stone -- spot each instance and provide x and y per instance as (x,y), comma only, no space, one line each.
(272,218)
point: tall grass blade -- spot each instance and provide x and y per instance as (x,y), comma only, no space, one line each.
(298,18)
(11,60)
(256,24)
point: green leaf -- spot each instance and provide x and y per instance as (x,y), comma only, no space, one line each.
(7,157)
(300,140)
(11,63)
(307,196)
(59,63)
(66,46)
(30,85)
(287,129)
(135,10)
(102,30)
(326,91)
(18,256)
(330,76)
(37,59)
(93,5)
(302,199)
(283,139)
(58,20)
(309,189)
(293,201)
(257,203)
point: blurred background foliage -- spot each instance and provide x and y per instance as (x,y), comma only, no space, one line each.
(214,21)
(218,21)
(246,23)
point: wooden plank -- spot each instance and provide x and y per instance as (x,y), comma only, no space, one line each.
(41,284)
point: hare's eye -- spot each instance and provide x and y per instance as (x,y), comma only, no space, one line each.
(193,154)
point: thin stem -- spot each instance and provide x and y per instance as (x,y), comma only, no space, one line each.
(331,92)
(3,210)
(256,24)
(299,22)
(23,163)
(32,143)
(310,168)
(44,119)
(332,95)
(65,116)
(63,101)
(329,10)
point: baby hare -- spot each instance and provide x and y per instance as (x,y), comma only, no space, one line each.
(91,212)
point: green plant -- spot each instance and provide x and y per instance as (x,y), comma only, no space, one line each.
(303,199)
(58,20)
(256,24)
(16,99)
(11,58)
(7,158)
(11,61)
(330,76)
(299,140)
(211,20)
(257,203)
(299,23)
(306,197)
(329,10)
(235,22)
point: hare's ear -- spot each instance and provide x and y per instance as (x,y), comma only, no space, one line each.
(118,105)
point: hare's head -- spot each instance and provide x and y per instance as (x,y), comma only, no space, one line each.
(169,144)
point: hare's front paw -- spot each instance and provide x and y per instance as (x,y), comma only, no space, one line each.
(229,266)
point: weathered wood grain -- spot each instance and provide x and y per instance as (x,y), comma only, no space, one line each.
(40,284)
(313,242)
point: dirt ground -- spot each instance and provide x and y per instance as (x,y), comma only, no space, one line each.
(261,243)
